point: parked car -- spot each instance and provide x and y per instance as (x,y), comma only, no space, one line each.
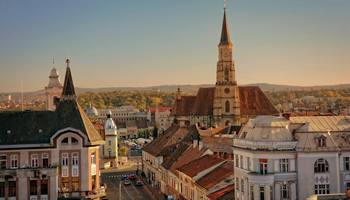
(132,177)
(124,177)
(127,182)
(139,183)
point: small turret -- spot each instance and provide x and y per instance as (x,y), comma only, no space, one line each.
(110,127)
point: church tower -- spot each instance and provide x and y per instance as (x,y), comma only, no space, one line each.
(226,100)
(53,90)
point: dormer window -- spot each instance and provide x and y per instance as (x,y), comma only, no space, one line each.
(321,141)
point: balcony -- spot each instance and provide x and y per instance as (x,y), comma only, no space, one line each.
(265,145)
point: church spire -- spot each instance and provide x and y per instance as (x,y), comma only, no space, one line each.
(225,35)
(68,87)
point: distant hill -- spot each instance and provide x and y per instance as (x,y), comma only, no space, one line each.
(191,89)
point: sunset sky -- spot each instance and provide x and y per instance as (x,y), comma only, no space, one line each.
(115,43)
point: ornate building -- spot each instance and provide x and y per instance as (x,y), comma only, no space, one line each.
(53,90)
(279,158)
(226,103)
(50,154)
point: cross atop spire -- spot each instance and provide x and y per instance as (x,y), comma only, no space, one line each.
(225,35)
(68,87)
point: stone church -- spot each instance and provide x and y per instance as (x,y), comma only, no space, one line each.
(227,102)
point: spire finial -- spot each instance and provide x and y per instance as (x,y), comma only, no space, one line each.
(225,2)
(67,62)
(53,60)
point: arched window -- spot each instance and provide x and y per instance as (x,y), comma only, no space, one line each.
(74,140)
(321,165)
(65,141)
(227,106)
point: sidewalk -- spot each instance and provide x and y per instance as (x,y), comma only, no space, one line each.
(155,193)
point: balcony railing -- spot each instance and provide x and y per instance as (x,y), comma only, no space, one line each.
(265,145)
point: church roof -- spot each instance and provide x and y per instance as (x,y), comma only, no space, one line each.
(252,102)
(37,127)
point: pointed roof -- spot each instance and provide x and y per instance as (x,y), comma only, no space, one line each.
(225,35)
(68,87)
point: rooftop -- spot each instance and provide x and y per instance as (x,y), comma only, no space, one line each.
(194,167)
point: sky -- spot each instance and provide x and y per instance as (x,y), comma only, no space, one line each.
(117,43)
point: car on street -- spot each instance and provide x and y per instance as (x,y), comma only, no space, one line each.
(139,183)
(127,182)
(132,177)
(124,177)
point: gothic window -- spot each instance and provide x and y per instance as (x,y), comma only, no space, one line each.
(321,165)
(226,75)
(227,106)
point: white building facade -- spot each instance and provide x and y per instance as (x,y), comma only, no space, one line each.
(110,148)
(279,158)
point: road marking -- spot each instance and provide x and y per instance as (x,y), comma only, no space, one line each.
(127,193)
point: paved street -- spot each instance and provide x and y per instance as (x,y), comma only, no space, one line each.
(116,190)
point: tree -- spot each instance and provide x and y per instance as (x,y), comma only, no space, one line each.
(155,132)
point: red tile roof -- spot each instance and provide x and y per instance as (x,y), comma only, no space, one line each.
(173,138)
(191,153)
(184,106)
(216,176)
(226,193)
(192,168)
(252,102)
(204,102)
(218,144)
